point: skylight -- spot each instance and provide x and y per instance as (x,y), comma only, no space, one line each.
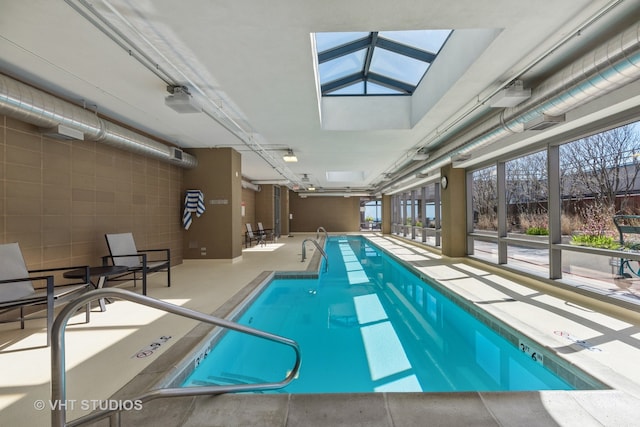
(376,63)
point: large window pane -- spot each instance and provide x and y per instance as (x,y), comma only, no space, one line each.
(485,200)
(599,173)
(398,67)
(527,195)
(428,40)
(599,179)
(341,67)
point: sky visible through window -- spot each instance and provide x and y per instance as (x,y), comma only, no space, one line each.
(376,63)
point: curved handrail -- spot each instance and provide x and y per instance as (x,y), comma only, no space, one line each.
(326,235)
(58,374)
(317,245)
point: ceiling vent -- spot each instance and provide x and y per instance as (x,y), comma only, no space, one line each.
(64,133)
(175,153)
(181,100)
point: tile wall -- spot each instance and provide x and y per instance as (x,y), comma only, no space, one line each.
(59,198)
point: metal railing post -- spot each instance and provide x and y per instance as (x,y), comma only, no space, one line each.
(58,374)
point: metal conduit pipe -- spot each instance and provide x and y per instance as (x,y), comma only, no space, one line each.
(31,105)
(607,68)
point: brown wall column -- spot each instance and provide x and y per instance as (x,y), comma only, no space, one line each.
(219,232)
(386,214)
(454,231)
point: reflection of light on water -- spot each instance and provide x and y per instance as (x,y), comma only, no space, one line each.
(384,351)
(369,309)
(355,270)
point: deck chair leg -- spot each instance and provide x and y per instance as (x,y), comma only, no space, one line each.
(49,316)
(21,317)
(144,282)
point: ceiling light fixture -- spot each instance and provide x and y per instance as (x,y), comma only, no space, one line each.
(290,157)
(181,100)
(510,96)
(421,154)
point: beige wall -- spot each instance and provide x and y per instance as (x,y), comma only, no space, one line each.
(59,198)
(260,207)
(219,232)
(335,214)
(265,206)
(249,200)
(284,211)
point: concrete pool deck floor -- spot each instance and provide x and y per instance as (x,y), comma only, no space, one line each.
(101,355)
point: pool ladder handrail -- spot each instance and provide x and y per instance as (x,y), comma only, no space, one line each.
(58,370)
(326,235)
(317,245)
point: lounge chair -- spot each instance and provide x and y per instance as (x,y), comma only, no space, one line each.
(249,236)
(123,251)
(17,290)
(266,233)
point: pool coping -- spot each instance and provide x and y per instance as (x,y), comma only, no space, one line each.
(165,368)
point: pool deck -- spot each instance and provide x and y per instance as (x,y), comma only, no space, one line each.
(101,356)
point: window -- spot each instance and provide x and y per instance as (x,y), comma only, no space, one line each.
(376,63)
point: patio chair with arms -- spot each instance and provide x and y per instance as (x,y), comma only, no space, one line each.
(266,233)
(17,290)
(249,236)
(123,251)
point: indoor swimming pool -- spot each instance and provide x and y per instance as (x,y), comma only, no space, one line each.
(370,325)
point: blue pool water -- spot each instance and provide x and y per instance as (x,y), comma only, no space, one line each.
(369,325)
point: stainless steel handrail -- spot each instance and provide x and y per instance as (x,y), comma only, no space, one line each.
(317,245)
(58,374)
(326,235)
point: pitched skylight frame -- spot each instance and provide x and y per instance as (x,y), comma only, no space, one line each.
(389,82)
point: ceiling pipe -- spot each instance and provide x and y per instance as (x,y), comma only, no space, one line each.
(603,70)
(251,186)
(25,103)
(160,65)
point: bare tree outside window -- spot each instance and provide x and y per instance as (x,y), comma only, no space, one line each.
(485,199)
(599,178)
(604,166)
(527,193)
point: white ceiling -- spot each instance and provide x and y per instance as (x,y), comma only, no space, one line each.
(253,59)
